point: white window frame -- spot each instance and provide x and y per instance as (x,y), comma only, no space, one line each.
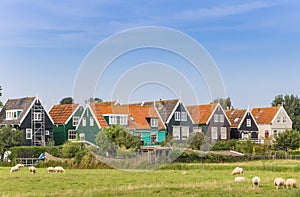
(28,134)
(248,123)
(183,116)
(82,136)
(176,133)
(177,116)
(197,130)
(47,132)
(245,135)
(12,114)
(185,131)
(75,121)
(71,134)
(92,121)
(37,116)
(275,133)
(83,121)
(155,136)
(223,133)
(216,117)
(154,122)
(214,133)
(221,118)
(278,119)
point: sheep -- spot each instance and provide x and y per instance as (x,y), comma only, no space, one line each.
(51,169)
(239,179)
(20,166)
(237,170)
(279,182)
(32,169)
(14,169)
(290,182)
(256,181)
(59,169)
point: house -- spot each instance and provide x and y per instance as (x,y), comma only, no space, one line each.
(271,121)
(143,121)
(29,115)
(65,118)
(243,124)
(175,116)
(212,120)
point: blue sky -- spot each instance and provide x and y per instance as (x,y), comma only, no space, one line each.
(255,44)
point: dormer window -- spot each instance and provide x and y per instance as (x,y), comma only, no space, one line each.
(119,119)
(13,114)
(154,122)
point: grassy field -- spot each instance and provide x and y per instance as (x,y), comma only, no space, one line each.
(173,180)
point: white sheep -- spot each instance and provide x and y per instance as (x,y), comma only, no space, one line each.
(59,169)
(14,169)
(279,182)
(256,181)
(20,166)
(32,169)
(51,169)
(290,182)
(239,179)
(237,170)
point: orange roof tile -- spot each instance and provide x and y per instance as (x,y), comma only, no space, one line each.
(138,113)
(264,115)
(61,113)
(235,116)
(201,113)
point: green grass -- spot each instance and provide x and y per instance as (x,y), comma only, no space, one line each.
(191,180)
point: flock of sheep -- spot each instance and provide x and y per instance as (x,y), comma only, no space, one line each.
(256,180)
(32,169)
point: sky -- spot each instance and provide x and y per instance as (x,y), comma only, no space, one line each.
(254,44)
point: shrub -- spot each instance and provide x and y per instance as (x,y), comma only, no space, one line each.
(26,152)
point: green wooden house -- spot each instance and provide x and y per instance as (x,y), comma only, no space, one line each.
(142,121)
(66,118)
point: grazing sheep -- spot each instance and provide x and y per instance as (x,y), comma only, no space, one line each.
(290,182)
(51,169)
(237,170)
(256,181)
(14,169)
(32,169)
(20,166)
(279,182)
(59,169)
(239,179)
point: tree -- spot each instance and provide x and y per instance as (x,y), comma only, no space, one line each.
(291,104)
(114,137)
(288,140)
(94,100)
(195,140)
(224,102)
(10,137)
(66,100)
(1,104)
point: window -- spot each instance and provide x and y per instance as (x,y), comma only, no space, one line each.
(284,119)
(248,122)
(221,118)
(197,129)
(28,134)
(223,133)
(123,120)
(176,133)
(37,116)
(118,119)
(91,121)
(266,133)
(153,138)
(184,132)
(75,121)
(278,119)
(214,133)
(13,114)
(47,132)
(245,135)
(216,118)
(84,121)
(82,136)
(154,122)
(177,116)
(183,116)
(71,135)
(275,133)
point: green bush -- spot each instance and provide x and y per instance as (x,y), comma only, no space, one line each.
(26,152)
(224,145)
(70,149)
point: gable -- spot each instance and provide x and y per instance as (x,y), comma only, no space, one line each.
(243,124)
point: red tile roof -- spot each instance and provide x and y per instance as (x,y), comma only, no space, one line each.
(235,116)
(201,113)
(61,113)
(138,114)
(264,115)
